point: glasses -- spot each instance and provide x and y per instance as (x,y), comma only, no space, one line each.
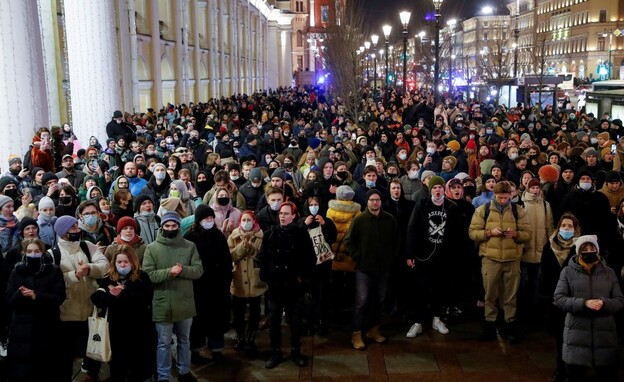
(375,200)
(89,213)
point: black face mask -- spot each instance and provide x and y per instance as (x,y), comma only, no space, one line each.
(288,166)
(470,191)
(170,234)
(589,257)
(11,193)
(342,174)
(74,236)
(392,175)
(65,199)
(223,201)
(33,264)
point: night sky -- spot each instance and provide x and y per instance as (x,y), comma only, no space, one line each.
(380,12)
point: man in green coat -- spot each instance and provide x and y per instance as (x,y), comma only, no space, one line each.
(172,264)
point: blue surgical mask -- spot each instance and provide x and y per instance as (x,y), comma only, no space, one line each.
(207,224)
(91,220)
(370,184)
(314,210)
(147,214)
(275,206)
(247,226)
(565,234)
(123,271)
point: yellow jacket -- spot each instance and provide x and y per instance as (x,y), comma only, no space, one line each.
(342,212)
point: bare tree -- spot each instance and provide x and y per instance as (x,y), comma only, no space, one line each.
(342,42)
(496,63)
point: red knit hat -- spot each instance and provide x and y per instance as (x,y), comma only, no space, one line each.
(471,144)
(124,222)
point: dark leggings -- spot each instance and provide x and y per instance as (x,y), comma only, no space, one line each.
(238,309)
(74,344)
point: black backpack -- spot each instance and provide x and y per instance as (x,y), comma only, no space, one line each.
(56,253)
(27,162)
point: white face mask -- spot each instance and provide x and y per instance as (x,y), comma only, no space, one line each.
(160,175)
(314,210)
(585,185)
(275,206)
(413,175)
(402,156)
(207,224)
(127,237)
(247,226)
(431,150)
(234,177)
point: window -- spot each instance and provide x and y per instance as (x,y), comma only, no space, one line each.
(485,36)
(601,43)
(603,16)
(299,39)
(300,62)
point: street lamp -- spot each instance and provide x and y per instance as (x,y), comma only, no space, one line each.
(405,17)
(386,31)
(374,39)
(451,24)
(367,45)
(436,74)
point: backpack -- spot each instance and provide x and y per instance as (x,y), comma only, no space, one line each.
(27,162)
(56,253)
(514,210)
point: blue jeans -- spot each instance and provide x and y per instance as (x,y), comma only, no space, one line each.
(182,330)
(370,294)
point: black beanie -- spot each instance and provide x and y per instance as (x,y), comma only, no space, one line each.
(202,212)
(139,200)
(25,223)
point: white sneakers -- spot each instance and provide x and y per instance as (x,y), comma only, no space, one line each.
(3,349)
(439,326)
(415,330)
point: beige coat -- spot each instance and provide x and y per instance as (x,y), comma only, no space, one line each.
(541,219)
(500,249)
(246,274)
(78,305)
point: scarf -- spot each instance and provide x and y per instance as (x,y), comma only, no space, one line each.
(7,222)
(588,266)
(560,247)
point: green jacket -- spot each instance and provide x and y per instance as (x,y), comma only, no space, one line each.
(373,241)
(173,296)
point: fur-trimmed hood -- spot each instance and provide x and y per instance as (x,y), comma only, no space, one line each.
(345,206)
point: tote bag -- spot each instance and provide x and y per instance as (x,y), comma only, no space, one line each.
(322,249)
(98,346)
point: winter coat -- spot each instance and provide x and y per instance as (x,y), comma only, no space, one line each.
(237,200)
(541,219)
(251,194)
(342,212)
(157,191)
(373,241)
(228,211)
(139,248)
(246,275)
(104,234)
(132,332)
(212,289)
(46,230)
(287,261)
(500,249)
(9,236)
(35,323)
(77,306)
(173,296)
(148,227)
(267,218)
(589,337)
(614,197)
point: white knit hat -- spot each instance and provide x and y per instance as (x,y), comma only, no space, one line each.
(593,239)
(46,202)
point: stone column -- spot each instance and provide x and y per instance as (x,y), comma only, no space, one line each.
(273,55)
(157,98)
(23,92)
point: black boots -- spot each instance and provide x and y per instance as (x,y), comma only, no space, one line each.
(250,344)
(488,332)
(297,358)
(240,341)
(274,360)
(511,332)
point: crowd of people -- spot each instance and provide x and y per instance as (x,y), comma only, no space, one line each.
(194,219)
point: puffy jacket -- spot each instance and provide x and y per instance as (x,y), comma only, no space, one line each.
(589,337)
(78,305)
(342,212)
(500,248)
(541,218)
(246,275)
(173,296)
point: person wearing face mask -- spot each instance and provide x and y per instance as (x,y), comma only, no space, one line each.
(34,293)
(20,175)
(126,295)
(226,215)
(148,223)
(589,293)
(188,197)
(556,255)
(253,189)
(126,235)
(410,182)
(82,264)
(94,230)
(247,288)
(593,211)
(212,289)
(117,127)
(172,263)
(431,245)
(46,220)
(317,320)
(541,217)
(157,187)
(367,183)
(500,235)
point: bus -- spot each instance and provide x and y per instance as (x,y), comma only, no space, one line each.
(567,81)
(608,85)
